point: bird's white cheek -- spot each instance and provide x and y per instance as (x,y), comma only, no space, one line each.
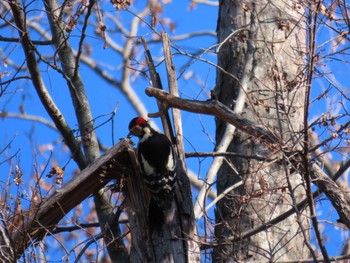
(147,134)
(148,169)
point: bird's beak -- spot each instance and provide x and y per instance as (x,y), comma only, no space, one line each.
(129,135)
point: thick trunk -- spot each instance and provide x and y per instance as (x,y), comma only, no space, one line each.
(266,52)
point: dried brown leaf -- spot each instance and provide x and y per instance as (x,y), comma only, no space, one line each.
(121,4)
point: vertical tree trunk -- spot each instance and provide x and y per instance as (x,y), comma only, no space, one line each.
(263,45)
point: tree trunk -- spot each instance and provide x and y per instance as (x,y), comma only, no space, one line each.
(262,43)
(168,243)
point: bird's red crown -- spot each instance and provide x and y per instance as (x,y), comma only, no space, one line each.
(138,121)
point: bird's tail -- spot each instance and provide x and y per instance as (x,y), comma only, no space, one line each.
(161,210)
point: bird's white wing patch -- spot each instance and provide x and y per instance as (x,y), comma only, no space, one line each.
(147,168)
(171,162)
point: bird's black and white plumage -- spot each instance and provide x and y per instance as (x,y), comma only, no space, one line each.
(157,160)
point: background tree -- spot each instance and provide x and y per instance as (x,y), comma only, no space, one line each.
(288,130)
(263,45)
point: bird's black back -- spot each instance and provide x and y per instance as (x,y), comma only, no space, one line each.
(156,150)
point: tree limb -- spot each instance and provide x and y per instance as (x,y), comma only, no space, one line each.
(217,109)
(74,82)
(338,197)
(28,117)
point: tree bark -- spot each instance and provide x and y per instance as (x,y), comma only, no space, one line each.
(262,43)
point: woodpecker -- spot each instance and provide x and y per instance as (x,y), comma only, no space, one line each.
(157,160)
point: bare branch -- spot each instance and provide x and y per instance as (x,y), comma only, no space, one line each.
(213,169)
(28,117)
(82,38)
(185,36)
(338,197)
(157,83)
(216,109)
(14,79)
(39,85)
(17,40)
(226,154)
(206,2)
(341,170)
(90,144)
(75,83)
(174,90)
(312,23)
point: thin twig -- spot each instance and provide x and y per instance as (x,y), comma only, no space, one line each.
(312,23)
(341,170)
(17,40)
(82,38)
(91,241)
(13,79)
(227,154)
(311,260)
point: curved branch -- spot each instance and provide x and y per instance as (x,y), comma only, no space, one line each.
(218,198)
(28,117)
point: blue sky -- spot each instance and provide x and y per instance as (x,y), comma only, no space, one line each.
(29,139)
